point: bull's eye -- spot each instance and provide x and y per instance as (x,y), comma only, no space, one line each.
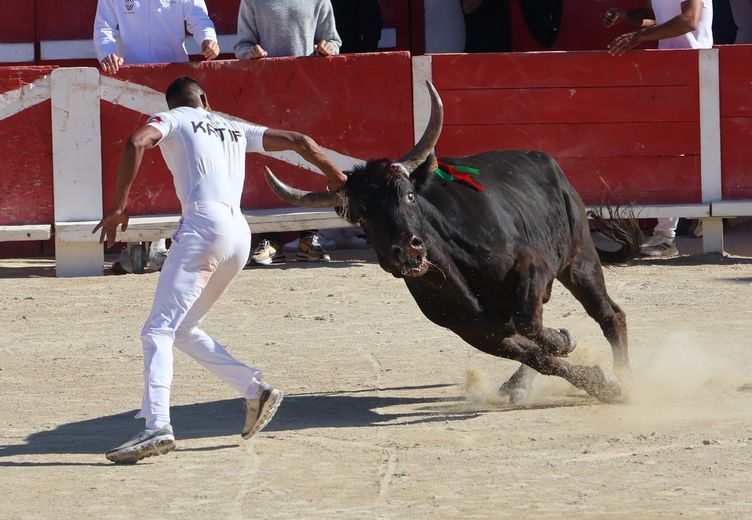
(411,197)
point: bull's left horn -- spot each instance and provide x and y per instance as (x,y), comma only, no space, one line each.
(304,199)
(427,142)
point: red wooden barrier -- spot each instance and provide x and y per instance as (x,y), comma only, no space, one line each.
(25,149)
(736,121)
(632,121)
(358,105)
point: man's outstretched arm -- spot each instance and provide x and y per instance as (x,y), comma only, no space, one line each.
(280,140)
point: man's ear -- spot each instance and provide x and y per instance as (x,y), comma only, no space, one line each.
(205,101)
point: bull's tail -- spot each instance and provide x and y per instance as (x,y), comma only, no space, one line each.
(618,225)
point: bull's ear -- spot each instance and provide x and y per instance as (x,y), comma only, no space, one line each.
(432,162)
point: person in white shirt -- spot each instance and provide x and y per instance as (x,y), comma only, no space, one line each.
(206,155)
(150,31)
(675,24)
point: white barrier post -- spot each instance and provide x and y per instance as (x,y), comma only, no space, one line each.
(77,165)
(422,72)
(710,147)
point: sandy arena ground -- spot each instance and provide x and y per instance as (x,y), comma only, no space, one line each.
(386,415)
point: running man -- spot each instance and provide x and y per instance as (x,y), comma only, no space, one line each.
(206,155)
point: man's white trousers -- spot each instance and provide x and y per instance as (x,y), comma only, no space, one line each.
(209,249)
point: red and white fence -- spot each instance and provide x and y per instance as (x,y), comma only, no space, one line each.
(669,131)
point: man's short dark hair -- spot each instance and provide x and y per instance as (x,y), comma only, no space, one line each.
(178,89)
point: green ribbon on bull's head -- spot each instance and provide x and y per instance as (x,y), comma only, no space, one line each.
(463,174)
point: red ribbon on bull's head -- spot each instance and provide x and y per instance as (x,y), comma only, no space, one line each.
(464,174)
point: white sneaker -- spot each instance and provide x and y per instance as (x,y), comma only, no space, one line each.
(266,253)
(322,240)
(311,250)
(659,245)
(145,444)
(259,411)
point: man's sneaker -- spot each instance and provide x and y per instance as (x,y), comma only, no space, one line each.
(259,411)
(266,253)
(145,444)
(658,246)
(311,250)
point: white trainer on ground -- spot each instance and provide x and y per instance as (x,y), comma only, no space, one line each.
(260,410)
(659,245)
(145,444)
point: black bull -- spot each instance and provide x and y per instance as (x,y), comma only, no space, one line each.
(482,263)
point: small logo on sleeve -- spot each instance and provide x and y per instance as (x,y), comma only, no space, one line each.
(129,5)
(154,119)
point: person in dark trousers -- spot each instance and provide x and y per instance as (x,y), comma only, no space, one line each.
(488,25)
(358,24)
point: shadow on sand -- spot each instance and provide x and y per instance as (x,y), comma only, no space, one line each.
(224,417)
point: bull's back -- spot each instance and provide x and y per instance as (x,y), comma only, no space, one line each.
(526,198)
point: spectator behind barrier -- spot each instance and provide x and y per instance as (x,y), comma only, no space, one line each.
(675,24)
(149,31)
(290,28)
(488,25)
(358,24)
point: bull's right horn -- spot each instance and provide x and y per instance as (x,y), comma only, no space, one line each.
(427,142)
(304,199)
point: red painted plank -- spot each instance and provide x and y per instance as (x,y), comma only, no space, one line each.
(736,158)
(26,166)
(17,21)
(658,180)
(13,77)
(576,140)
(358,105)
(570,69)
(224,14)
(66,21)
(734,62)
(736,98)
(575,105)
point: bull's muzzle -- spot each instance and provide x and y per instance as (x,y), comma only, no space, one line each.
(410,255)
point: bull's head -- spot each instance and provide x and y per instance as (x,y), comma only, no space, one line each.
(381,197)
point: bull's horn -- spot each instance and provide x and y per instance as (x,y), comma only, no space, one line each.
(425,146)
(305,199)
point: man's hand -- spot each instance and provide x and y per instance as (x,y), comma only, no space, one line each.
(624,43)
(614,16)
(323,48)
(111,64)
(256,52)
(109,224)
(210,49)
(335,184)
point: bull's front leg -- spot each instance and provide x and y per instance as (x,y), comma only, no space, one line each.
(533,280)
(595,380)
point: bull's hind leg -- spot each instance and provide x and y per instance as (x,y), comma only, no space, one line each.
(584,279)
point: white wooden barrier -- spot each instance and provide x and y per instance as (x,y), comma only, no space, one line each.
(154,227)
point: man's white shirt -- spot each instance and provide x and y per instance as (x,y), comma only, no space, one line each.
(150,31)
(206,153)
(700,38)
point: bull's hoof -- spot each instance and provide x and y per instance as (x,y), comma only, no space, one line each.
(571,342)
(604,386)
(515,394)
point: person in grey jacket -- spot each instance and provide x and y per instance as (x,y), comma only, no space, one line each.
(286,28)
(277,28)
